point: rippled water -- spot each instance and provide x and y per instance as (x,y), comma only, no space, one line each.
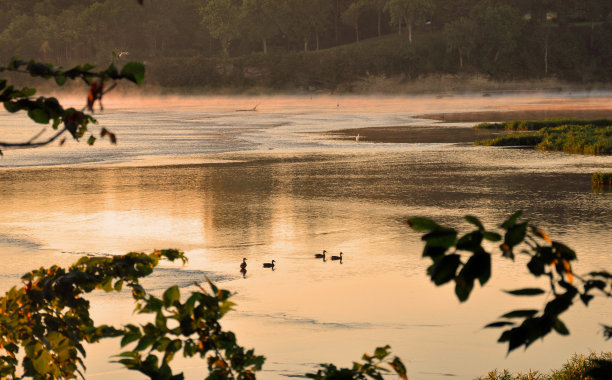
(224,184)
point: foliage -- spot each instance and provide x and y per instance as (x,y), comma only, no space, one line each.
(515,139)
(592,366)
(601,179)
(49,318)
(45,110)
(506,37)
(221,18)
(465,259)
(536,125)
(369,368)
(585,139)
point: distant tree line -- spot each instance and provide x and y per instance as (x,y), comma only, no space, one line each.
(506,39)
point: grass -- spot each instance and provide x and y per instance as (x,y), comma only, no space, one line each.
(572,138)
(600,179)
(536,125)
(593,366)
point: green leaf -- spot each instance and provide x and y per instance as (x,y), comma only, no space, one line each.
(520,314)
(475,221)
(171,295)
(60,79)
(39,115)
(381,352)
(41,362)
(445,269)
(491,236)
(145,342)
(134,71)
(422,224)
(515,234)
(499,324)
(399,368)
(560,327)
(511,221)
(444,237)
(525,292)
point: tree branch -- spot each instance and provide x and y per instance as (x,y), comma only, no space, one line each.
(31,144)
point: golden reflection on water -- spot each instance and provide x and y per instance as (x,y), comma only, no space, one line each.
(307,311)
(288,206)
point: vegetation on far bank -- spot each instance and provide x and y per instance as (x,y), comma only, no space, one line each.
(320,45)
(600,179)
(578,367)
(581,136)
(536,125)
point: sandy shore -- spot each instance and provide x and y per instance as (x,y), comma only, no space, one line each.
(519,114)
(447,134)
(412,134)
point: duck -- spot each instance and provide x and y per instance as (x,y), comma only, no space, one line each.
(243,264)
(269,265)
(320,255)
(337,257)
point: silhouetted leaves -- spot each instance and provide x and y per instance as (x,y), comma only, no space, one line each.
(370,367)
(44,110)
(525,292)
(551,259)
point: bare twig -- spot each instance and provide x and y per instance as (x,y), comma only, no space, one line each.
(30,144)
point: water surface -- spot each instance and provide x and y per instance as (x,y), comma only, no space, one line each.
(223,184)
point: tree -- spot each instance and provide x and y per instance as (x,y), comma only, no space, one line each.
(379,7)
(496,30)
(260,19)
(459,36)
(351,16)
(222,18)
(408,12)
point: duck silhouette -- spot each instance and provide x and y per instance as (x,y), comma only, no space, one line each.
(320,255)
(269,265)
(243,265)
(337,257)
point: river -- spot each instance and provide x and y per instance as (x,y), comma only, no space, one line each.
(221,181)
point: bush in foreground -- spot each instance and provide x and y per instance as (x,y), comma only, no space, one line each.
(578,367)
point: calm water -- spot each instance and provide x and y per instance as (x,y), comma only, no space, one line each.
(223,184)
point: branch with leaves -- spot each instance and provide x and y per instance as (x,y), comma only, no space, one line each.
(371,367)
(464,260)
(48,110)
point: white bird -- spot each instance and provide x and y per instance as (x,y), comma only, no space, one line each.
(357,138)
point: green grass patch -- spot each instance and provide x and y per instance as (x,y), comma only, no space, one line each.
(536,125)
(515,139)
(584,139)
(600,179)
(593,367)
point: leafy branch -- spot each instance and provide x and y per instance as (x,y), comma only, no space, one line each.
(48,110)
(547,258)
(371,367)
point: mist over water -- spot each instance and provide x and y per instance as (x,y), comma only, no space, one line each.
(221,182)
